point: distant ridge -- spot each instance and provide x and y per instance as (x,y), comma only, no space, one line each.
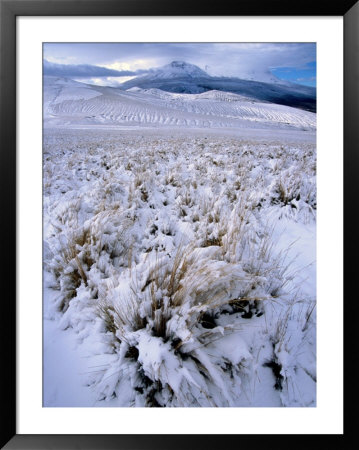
(182,77)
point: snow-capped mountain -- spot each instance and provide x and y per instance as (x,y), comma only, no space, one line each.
(176,69)
(181,77)
(70,102)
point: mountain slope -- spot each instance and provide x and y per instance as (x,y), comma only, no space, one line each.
(181,77)
(70,102)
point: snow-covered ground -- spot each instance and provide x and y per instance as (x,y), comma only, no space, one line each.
(179,262)
(69,103)
(179,248)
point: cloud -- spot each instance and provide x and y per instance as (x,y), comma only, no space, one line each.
(307,79)
(242,60)
(104,81)
(84,71)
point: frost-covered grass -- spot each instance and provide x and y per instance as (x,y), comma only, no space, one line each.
(164,255)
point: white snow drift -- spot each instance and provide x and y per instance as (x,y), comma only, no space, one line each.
(68,102)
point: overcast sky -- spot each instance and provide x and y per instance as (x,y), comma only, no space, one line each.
(107,63)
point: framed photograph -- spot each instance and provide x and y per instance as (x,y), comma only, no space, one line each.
(174,187)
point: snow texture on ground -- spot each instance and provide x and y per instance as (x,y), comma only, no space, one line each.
(179,263)
(67,102)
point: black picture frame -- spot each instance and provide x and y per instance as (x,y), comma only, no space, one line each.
(9,10)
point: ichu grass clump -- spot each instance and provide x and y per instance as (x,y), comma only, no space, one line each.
(164,262)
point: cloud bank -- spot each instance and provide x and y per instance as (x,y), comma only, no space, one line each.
(241,60)
(84,71)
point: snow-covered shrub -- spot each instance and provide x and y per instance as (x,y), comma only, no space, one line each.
(292,356)
(163,255)
(82,254)
(166,319)
(162,336)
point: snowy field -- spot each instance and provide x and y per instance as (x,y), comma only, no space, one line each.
(70,103)
(179,261)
